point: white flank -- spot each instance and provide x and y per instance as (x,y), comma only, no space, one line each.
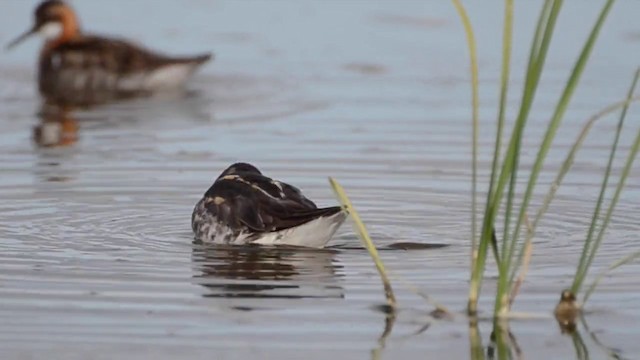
(165,78)
(170,76)
(316,233)
(50,133)
(51,30)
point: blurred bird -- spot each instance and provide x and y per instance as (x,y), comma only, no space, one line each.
(79,69)
(245,207)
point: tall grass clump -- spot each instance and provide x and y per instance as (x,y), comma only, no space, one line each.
(504,173)
(511,249)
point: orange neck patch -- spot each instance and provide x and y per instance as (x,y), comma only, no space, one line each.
(70,26)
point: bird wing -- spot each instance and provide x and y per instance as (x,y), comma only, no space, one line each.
(277,189)
(256,204)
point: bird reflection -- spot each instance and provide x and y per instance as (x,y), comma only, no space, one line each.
(56,128)
(579,344)
(259,272)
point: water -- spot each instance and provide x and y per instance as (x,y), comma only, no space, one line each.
(97,259)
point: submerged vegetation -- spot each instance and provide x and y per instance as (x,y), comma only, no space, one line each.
(511,249)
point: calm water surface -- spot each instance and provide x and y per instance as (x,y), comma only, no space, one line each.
(96,253)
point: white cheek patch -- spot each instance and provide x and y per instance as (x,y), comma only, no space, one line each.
(51,30)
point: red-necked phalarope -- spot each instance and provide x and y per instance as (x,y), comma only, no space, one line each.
(78,69)
(245,207)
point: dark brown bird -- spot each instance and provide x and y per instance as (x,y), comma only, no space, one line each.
(78,69)
(567,310)
(245,207)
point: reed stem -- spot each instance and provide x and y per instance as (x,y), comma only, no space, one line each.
(366,240)
(473,58)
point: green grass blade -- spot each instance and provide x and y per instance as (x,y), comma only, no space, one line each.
(473,58)
(540,44)
(504,86)
(527,251)
(509,166)
(556,119)
(534,72)
(543,18)
(588,251)
(476,350)
(366,240)
(627,259)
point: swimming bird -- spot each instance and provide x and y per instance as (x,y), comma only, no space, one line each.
(243,206)
(567,311)
(81,69)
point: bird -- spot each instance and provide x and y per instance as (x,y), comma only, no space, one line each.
(245,207)
(567,311)
(82,69)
